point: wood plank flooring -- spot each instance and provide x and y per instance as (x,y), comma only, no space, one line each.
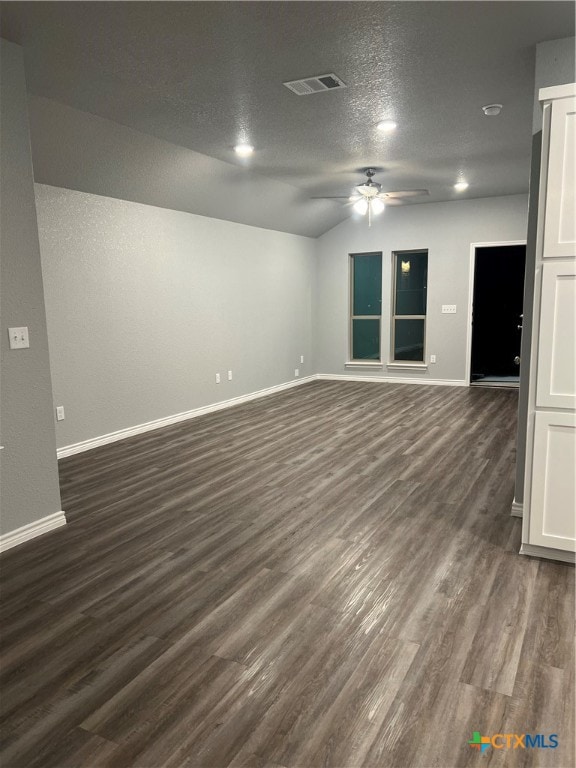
(324,577)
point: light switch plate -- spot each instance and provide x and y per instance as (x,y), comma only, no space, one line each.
(19,338)
(448,309)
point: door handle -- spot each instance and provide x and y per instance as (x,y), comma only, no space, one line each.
(517,360)
(519,327)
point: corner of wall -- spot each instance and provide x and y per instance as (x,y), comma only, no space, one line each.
(29,470)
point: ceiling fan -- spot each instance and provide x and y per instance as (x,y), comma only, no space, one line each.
(368,198)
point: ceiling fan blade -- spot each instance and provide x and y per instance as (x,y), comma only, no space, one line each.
(394,201)
(330,197)
(405,193)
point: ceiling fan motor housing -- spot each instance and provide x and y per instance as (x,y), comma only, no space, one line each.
(369,188)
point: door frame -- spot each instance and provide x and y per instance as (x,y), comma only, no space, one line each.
(472,267)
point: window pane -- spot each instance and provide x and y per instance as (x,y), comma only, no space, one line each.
(411,280)
(366,339)
(409,340)
(367,299)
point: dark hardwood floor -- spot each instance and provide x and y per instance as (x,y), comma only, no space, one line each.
(324,577)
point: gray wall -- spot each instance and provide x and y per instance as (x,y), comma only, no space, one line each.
(555,63)
(29,472)
(446,230)
(526,346)
(145,305)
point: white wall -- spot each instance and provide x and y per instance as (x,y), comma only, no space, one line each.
(29,472)
(446,230)
(145,305)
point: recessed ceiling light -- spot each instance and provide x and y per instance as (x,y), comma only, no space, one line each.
(387,126)
(492,109)
(460,186)
(243,150)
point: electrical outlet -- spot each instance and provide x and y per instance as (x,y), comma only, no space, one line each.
(229,375)
(432,358)
(296,372)
(217,378)
(301,358)
(60,413)
(448,309)
(19,338)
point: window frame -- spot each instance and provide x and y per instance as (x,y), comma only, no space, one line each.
(352,317)
(394,316)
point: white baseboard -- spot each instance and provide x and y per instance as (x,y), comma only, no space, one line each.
(122,434)
(392,380)
(32,530)
(517,509)
(548,553)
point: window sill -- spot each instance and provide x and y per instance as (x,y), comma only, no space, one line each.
(362,364)
(407,366)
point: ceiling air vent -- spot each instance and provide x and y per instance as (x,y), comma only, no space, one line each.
(315,84)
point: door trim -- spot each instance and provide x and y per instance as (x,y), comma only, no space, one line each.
(472,266)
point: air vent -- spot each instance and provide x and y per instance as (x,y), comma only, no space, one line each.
(315,84)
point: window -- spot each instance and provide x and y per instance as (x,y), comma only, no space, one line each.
(365,306)
(409,308)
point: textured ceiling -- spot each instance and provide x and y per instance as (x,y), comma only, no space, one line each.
(206,75)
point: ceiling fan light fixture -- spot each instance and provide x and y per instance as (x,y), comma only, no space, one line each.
(244,150)
(368,190)
(387,126)
(361,207)
(460,186)
(368,198)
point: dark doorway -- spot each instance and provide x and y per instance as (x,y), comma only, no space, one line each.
(497,313)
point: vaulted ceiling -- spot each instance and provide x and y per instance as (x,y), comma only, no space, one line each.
(203,76)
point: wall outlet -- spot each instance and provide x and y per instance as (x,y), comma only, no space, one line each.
(296,372)
(301,358)
(19,338)
(448,309)
(229,375)
(60,413)
(432,358)
(217,378)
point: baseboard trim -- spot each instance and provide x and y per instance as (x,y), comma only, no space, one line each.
(138,429)
(517,509)
(32,530)
(123,434)
(547,552)
(392,380)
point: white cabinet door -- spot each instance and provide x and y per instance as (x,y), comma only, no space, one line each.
(553,498)
(556,378)
(560,221)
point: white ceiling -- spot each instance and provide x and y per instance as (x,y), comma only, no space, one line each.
(205,75)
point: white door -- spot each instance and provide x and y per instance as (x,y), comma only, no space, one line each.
(553,506)
(560,221)
(556,379)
